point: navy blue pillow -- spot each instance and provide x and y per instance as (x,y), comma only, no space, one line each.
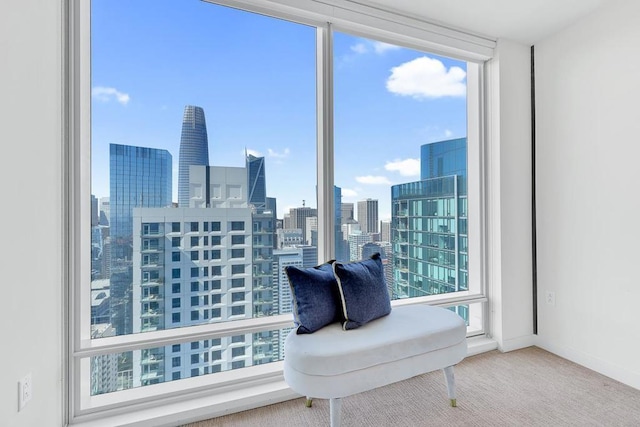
(363,291)
(315,297)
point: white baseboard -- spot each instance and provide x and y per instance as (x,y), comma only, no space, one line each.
(603,367)
(516,343)
(482,344)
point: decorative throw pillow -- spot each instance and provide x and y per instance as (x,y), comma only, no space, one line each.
(315,297)
(363,291)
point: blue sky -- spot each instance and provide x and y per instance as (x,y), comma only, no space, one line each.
(255,78)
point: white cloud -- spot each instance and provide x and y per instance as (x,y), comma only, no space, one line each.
(349,193)
(106,94)
(373,180)
(370,46)
(275,154)
(359,48)
(426,77)
(381,47)
(448,133)
(406,167)
(252,152)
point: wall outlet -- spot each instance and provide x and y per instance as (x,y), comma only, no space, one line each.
(551,298)
(25,390)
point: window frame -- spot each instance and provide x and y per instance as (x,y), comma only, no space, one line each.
(326,17)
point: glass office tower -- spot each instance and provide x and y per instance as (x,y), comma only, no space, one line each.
(194,149)
(139,177)
(257,182)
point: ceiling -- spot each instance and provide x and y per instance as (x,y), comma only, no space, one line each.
(525,21)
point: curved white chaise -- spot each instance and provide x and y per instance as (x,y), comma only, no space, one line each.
(333,363)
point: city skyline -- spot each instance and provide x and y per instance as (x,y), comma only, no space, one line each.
(247,168)
(381,116)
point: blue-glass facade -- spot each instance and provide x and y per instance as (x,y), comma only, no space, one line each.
(257,182)
(194,149)
(139,177)
(444,158)
(429,224)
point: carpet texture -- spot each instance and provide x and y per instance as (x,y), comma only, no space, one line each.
(528,387)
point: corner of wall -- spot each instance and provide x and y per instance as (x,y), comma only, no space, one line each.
(509,196)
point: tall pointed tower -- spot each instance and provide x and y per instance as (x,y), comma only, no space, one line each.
(256,181)
(194,149)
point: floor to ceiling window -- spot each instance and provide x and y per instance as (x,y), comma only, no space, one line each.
(215,146)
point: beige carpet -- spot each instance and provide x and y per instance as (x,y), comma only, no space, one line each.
(528,387)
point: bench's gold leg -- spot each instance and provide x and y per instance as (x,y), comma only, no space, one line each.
(451,384)
(308,402)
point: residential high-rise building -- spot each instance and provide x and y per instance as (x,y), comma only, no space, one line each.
(103,368)
(139,177)
(194,149)
(209,262)
(193,265)
(263,242)
(368,215)
(429,217)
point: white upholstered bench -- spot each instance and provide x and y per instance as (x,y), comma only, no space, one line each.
(332,363)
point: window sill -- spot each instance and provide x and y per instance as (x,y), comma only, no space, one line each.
(163,412)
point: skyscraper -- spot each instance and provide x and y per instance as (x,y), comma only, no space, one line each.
(444,158)
(257,182)
(368,215)
(429,217)
(139,177)
(192,265)
(194,149)
(346,213)
(385,230)
(298,218)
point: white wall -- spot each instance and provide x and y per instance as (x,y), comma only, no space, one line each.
(588,171)
(30,187)
(509,186)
